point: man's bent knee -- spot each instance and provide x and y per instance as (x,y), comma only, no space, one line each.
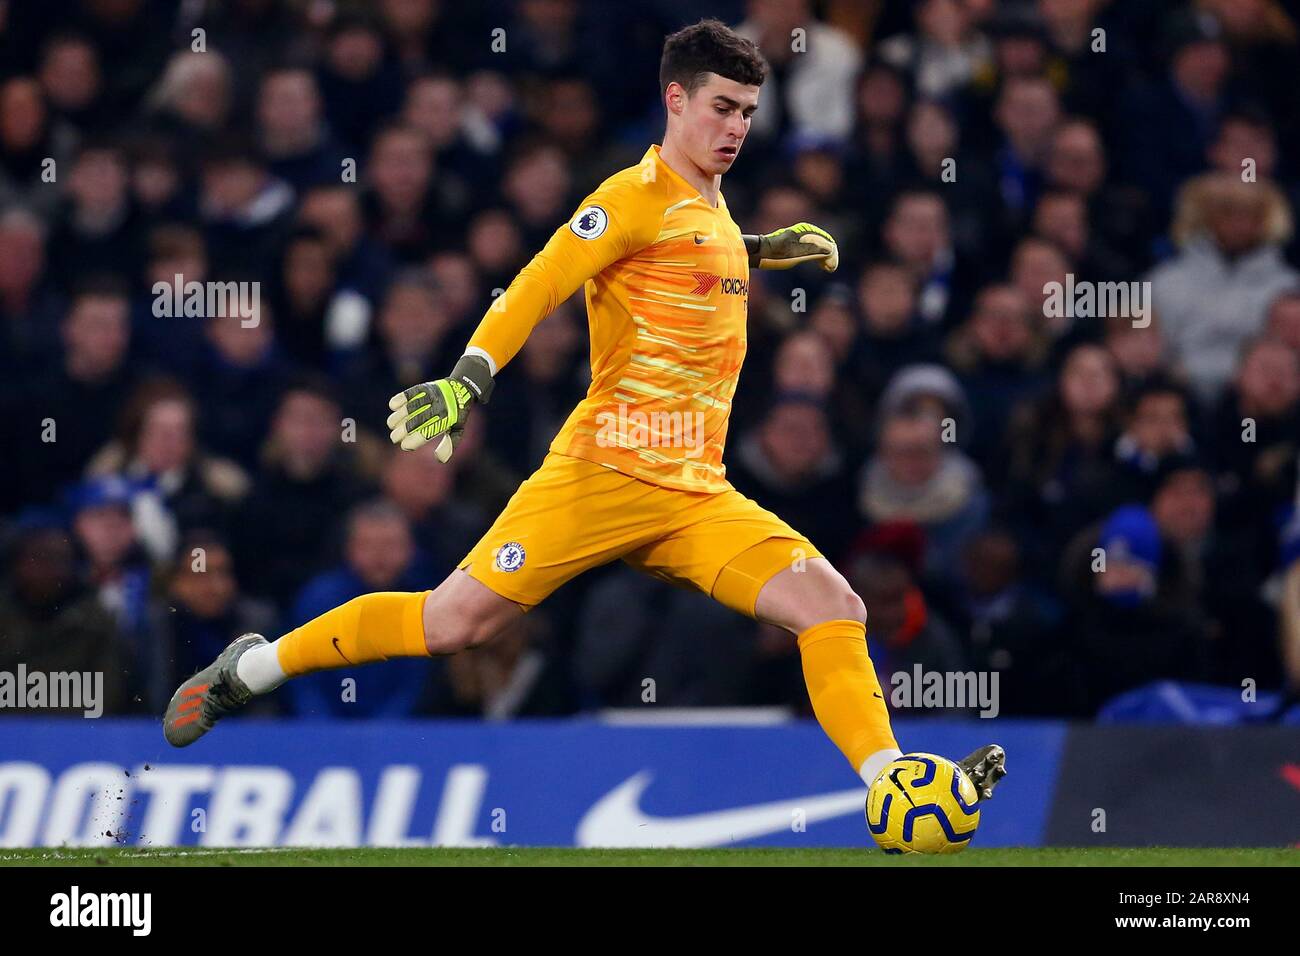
(798,600)
(463,613)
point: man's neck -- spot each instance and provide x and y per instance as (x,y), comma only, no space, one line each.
(708,186)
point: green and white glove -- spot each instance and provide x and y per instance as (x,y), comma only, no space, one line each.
(786,248)
(439,409)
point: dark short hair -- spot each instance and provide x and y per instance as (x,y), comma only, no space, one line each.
(1158,384)
(709,46)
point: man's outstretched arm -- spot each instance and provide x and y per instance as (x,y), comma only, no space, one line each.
(786,248)
(609,226)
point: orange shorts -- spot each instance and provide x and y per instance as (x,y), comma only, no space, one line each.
(572,515)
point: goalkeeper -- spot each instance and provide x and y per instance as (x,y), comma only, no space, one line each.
(636,472)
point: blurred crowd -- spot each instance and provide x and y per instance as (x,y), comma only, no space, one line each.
(1084,503)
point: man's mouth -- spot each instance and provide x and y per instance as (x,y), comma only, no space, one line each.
(728,151)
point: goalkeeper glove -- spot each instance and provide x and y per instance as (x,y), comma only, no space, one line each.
(440,408)
(785,248)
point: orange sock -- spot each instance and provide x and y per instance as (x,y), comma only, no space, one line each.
(373,627)
(844,691)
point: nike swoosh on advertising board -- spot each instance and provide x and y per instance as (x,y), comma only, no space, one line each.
(617,819)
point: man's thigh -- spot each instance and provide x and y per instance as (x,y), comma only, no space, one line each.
(725,545)
(569,516)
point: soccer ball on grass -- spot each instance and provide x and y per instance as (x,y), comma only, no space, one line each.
(922,803)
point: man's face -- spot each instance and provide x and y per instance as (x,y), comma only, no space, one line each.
(400,167)
(1184,506)
(1269,379)
(106,532)
(379,549)
(166,436)
(1160,423)
(713,121)
(1237,224)
(1001,323)
(207,593)
(1283,319)
(97,333)
(335,213)
(1028,111)
(288,103)
(917,230)
(795,438)
(1077,161)
(888,299)
(911,450)
(306,426)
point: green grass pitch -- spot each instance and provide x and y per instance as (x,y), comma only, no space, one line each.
(554,856)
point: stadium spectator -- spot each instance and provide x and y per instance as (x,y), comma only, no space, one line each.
(156,446)
(1284,319)
(192,100)
(810,87)
(884,568)
(29,141)
(98,230)
(1255,431)
(946,51)
(1223,571)
(1132,613)
(410,209)
(379,555)
(30,302)
(1169,123)
(998,356)
(891,336)
(70,77)
(1215,294)
(1140,351)
(515,675)
(1027,113)
(1010,628)
(421,488)
(67,414)
(636,645)
(363,263)
(245,210)
(116,568)
(790,465)
(917,235)
(52,623)
(916,476)
(177,256)
(552,377)
(287,528)
(1118,214)
(240,377)
(1157,431)
(295,140)
(361,83)
(1060,455)
(200,607)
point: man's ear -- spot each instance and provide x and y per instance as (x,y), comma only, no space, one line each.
(675,98)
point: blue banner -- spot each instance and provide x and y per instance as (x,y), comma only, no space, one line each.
(561,783)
